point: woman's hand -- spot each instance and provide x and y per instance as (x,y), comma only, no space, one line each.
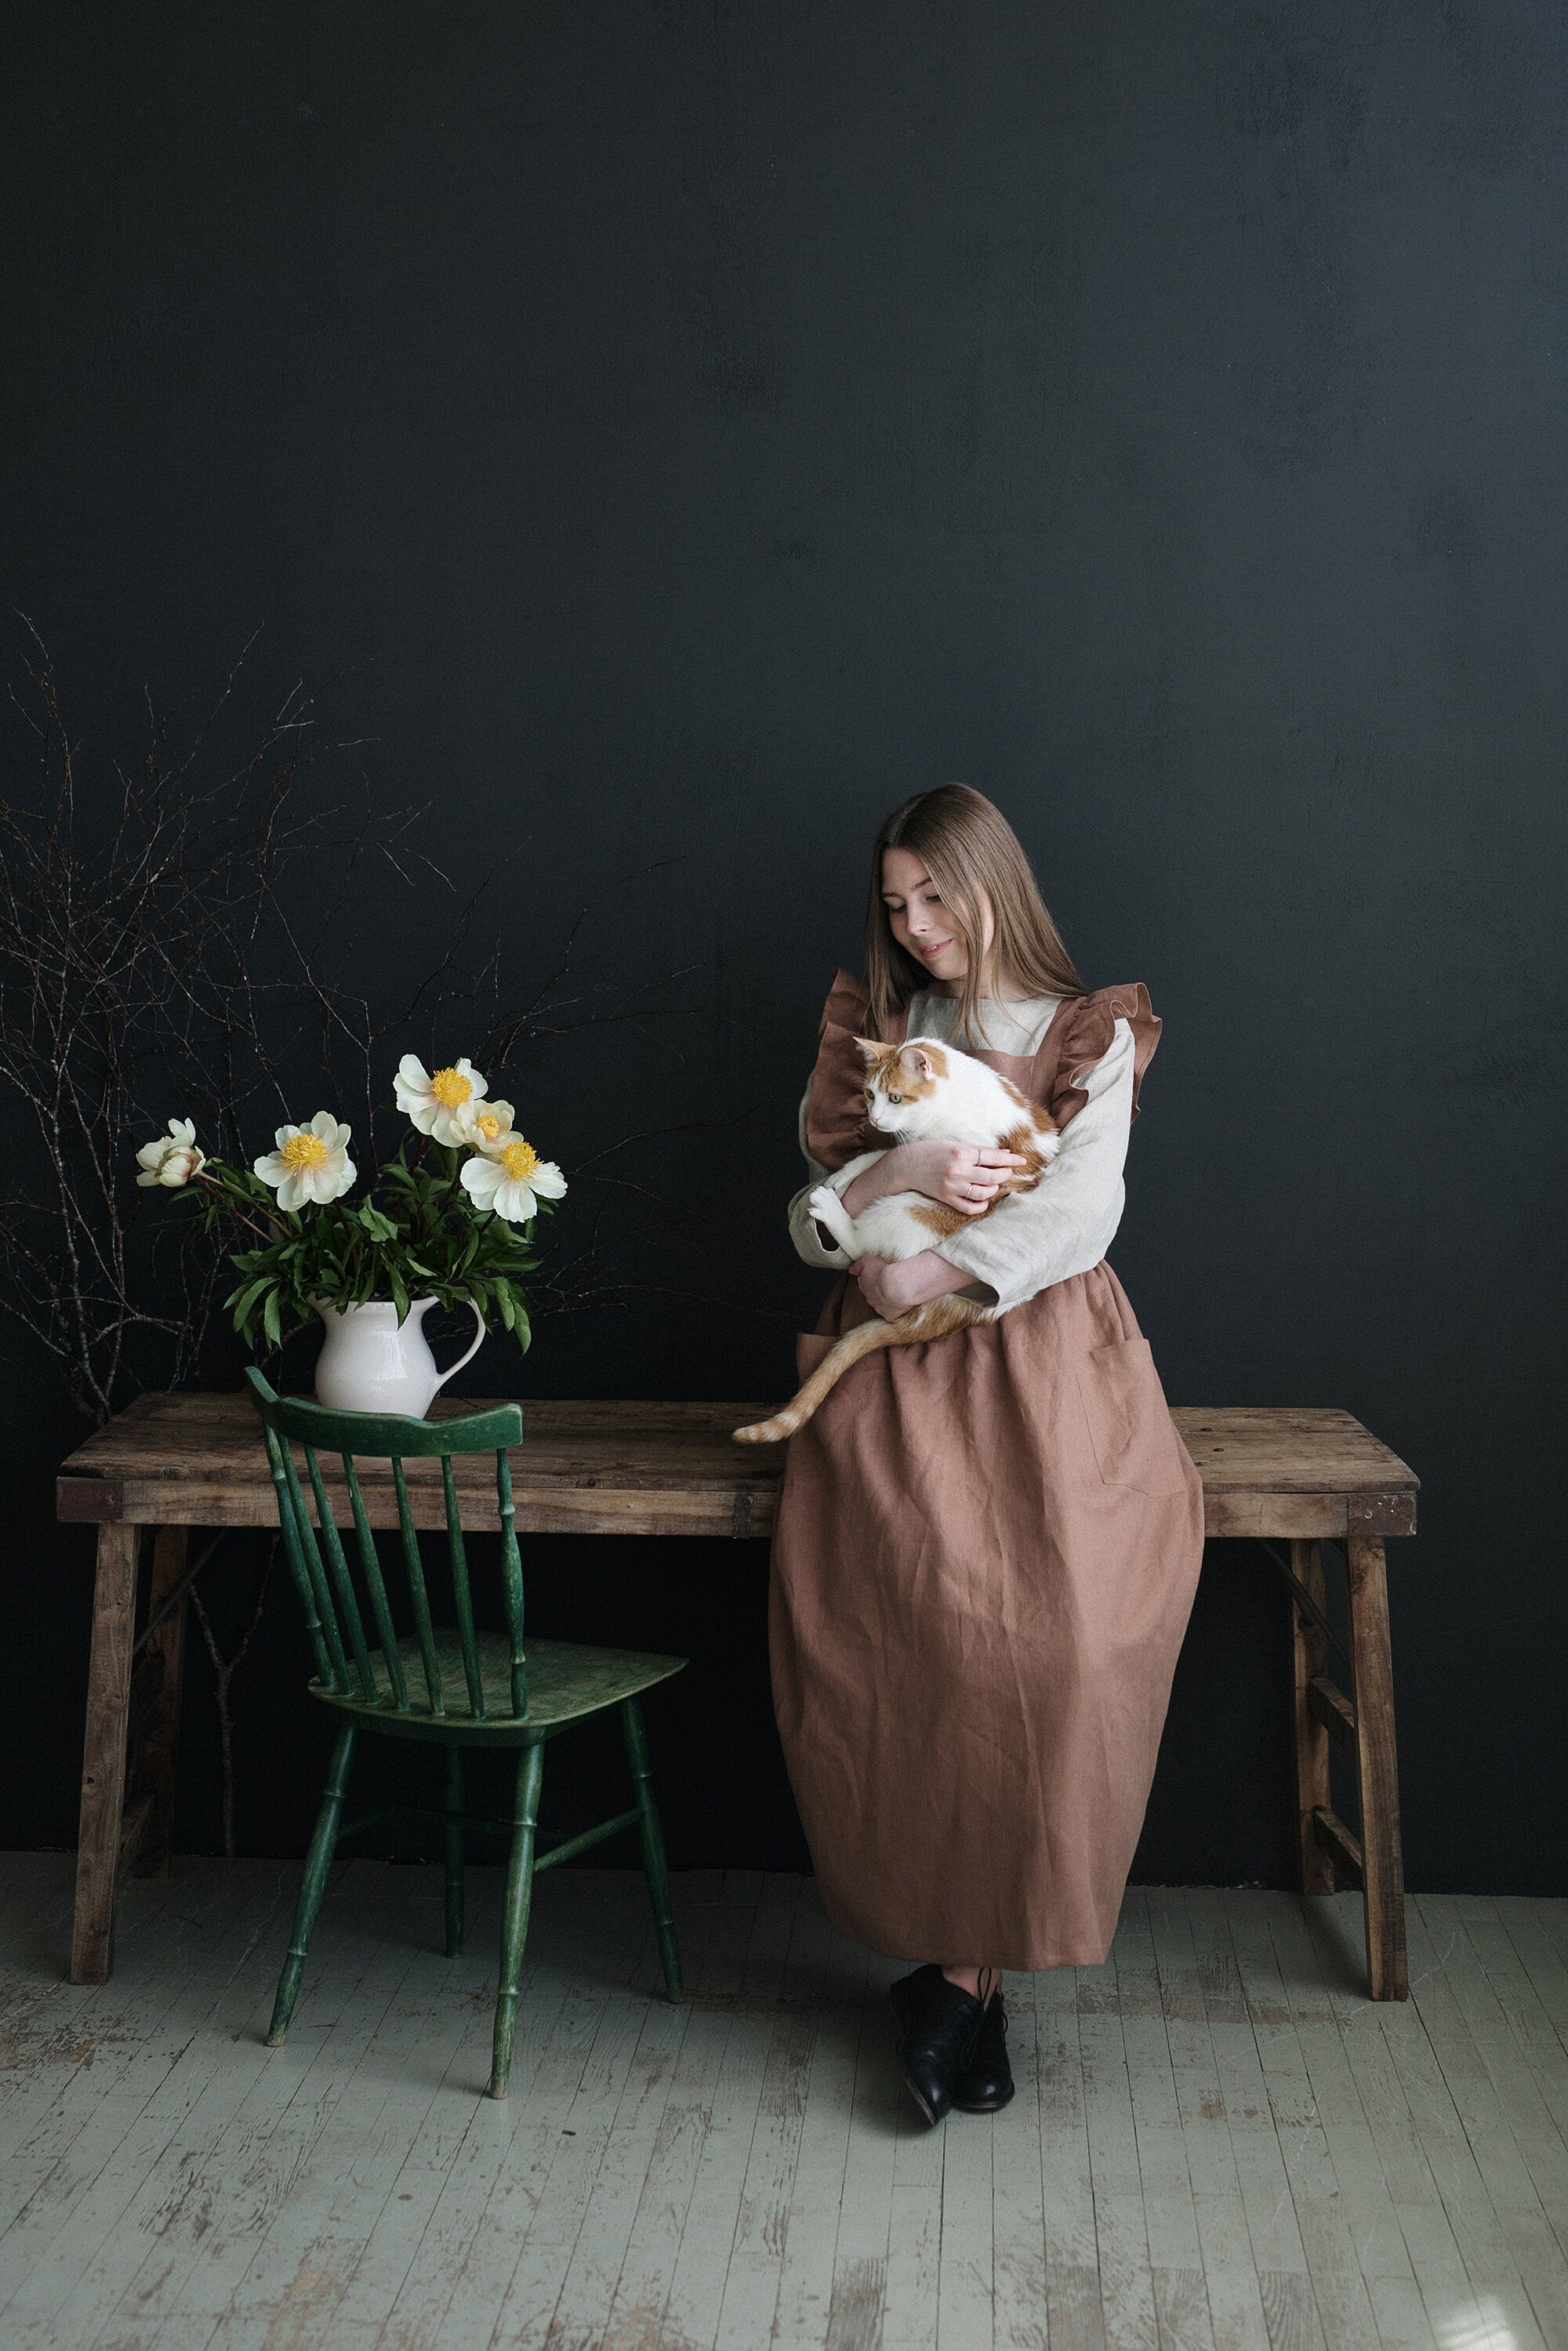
(893,1289)
(959,1174)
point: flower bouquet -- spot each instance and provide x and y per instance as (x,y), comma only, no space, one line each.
(447,1221)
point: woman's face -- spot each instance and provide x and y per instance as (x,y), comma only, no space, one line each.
(920,923)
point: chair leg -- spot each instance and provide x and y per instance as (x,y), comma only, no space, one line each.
(318,1863)
(515,1916)
(452,1833)
(653,1864)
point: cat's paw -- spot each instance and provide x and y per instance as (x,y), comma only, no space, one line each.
(829,1213)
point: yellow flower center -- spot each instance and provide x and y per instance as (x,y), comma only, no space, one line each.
(302,1151)
(519,1160)
(488,1125)
(450,1088)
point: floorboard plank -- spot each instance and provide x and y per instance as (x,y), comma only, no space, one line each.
(707,2238)
(1355,2180)
(1219,2209)
(888,2245)
(830,1973)
(966,2282)
(635,2310)
(1494,2100)
(750,2299)
(1066,2181)
(1163,2168)
(1018,2187)
(599,2255)
(1261,2176)
(1323,2214)
(1121,2221)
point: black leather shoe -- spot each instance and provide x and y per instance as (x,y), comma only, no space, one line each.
(986,2083)
(937,2023)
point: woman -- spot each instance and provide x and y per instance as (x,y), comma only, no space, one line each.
(987,1545)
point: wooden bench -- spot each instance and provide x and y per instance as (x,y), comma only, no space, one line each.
(1293,1481)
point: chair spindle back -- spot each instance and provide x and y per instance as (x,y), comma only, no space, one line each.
(323,1569)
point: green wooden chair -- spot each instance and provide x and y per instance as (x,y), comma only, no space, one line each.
(452,1686)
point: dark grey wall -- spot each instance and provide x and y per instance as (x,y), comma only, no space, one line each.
(687,430)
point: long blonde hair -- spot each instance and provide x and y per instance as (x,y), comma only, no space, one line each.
(974,856)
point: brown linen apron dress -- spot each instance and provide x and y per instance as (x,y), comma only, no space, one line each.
(984,1557)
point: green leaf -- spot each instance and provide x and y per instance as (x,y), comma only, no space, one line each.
(244,1298)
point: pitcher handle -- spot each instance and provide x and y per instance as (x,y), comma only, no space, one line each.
(479,1338)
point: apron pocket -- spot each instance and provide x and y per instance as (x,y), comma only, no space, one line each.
(1135,1438)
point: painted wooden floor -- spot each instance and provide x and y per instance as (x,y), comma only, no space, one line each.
(1218,2143)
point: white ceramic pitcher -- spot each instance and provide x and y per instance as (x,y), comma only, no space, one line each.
(372,1362)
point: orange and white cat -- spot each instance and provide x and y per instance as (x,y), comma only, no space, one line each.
(919,1092)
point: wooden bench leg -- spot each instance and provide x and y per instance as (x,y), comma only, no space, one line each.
(1382,1864)
(103,1754)
(1310,1650)
(164,1652)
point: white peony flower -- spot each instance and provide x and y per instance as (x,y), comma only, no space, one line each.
(510,1177)
(432,1103)
(174,1159)
(484,1123)
(310,1162)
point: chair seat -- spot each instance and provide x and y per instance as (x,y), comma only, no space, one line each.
(567,1680)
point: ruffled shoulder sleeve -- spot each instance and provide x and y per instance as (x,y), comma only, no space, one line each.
(1087,1027)
(835,1123)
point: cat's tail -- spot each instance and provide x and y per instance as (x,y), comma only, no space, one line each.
(932,1320)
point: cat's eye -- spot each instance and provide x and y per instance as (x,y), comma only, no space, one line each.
(897,1098)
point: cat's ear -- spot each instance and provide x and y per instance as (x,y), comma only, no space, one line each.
(918,1060)
(869,1049)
